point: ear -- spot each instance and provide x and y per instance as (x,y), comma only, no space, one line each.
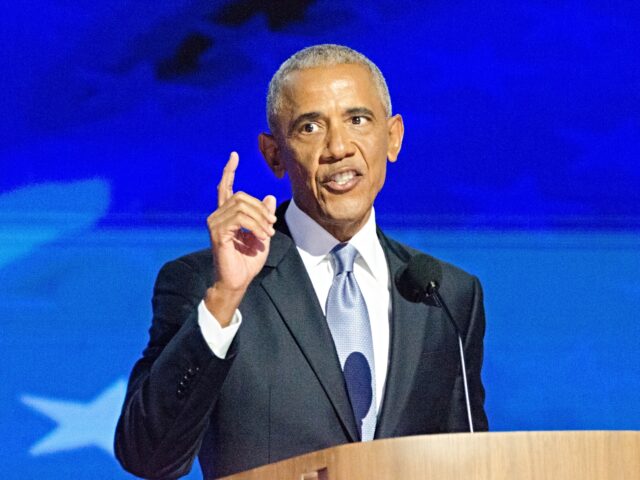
(395,129)
(271,153)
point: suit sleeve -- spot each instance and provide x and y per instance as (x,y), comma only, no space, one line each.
(174,386)
(473,341)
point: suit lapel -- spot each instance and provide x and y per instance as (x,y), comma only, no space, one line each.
(292,293)
(409,323)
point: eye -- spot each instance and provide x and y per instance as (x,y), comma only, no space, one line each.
(309,128)
(359,120)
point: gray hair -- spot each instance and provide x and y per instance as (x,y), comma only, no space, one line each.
(324,55)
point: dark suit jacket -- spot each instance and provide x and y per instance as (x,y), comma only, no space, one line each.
(280,391)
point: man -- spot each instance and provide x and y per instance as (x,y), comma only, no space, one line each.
(275,342)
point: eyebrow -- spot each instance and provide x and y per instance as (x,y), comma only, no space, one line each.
(356,111)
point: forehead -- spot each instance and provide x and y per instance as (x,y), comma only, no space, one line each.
(319,89)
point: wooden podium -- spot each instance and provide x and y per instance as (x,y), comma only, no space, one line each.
(580,455)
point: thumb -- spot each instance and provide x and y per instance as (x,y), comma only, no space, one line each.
(270,202)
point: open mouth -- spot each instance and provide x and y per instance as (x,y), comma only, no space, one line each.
(342,181)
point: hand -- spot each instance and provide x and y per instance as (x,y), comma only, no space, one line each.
(240,230)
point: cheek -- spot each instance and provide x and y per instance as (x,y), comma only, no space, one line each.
(378,178)
(302,178)
(303,175)
(377,162)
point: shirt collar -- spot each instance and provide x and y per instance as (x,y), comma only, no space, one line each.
(317,243)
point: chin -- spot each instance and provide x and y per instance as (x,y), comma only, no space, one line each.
(344,213)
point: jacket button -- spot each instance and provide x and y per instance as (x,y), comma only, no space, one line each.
(191,372)
(182,385)
(180,393)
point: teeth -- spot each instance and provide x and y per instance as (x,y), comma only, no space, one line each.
(344,177)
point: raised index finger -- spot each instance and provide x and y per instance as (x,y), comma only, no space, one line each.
(225,187)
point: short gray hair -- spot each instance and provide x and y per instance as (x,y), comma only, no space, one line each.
(324,55)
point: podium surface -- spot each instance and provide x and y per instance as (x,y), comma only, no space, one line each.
(560,455)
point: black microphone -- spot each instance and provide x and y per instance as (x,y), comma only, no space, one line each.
(420,278)
(419,281)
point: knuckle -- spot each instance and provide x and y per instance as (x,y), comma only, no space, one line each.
(241,199)
(241,195)
(234,202)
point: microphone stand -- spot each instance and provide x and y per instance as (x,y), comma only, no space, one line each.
(432,291)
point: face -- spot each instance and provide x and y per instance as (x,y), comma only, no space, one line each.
(333,140)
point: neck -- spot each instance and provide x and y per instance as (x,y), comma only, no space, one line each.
(341,230)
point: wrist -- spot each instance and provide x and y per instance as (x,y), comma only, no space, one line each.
(222,302)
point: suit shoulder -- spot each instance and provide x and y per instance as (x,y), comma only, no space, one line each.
(195,265)
(405,253)
(197,261)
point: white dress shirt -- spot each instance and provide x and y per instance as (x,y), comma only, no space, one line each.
(314,244)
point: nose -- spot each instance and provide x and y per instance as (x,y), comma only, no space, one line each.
(338,143)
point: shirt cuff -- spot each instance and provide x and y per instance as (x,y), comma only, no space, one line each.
(217,337)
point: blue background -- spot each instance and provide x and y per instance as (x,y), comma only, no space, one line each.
(520,164)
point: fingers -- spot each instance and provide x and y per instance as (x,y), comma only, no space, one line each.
(225,187)
(242,211)
(245,223)
(270,202)
(239,211)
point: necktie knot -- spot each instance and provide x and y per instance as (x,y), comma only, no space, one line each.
(345,255)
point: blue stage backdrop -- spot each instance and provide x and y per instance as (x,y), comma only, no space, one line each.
(520,164)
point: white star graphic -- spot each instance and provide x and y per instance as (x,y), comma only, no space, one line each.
(79,424)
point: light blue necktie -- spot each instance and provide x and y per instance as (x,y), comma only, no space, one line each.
(348,321)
